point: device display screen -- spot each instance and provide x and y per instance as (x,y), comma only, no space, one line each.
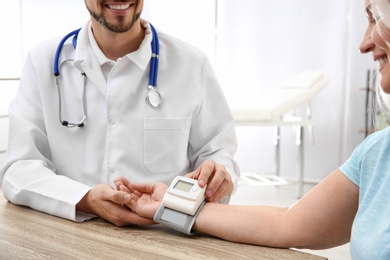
(183,186)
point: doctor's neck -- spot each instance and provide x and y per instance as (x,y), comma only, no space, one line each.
(116,45)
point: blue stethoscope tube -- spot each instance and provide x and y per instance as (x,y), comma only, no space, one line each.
(59,49)
(153,97)
(154,60)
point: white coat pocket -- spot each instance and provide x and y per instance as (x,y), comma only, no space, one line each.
(165,144)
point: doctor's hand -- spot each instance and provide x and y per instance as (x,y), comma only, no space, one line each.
(145,197)
(108,203)
(218,180)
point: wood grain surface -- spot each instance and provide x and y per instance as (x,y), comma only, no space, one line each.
(29,234)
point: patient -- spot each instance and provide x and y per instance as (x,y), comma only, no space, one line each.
(351,205)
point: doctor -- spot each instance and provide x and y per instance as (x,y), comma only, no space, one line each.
(99,116)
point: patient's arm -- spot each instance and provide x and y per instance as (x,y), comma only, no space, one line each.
(321,219)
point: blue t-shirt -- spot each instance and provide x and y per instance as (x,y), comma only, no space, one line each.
(369,168)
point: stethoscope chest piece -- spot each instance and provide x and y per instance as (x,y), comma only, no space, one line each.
(153,97)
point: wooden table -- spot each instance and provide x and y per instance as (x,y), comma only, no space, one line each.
(29,234)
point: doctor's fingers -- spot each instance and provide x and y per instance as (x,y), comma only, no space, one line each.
(135,195)
(121,187)
(104,192)
(214,174)
(220,185)
(116,196)
(223,190)
(203,173)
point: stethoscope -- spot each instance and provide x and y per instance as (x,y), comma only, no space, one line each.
(153,96)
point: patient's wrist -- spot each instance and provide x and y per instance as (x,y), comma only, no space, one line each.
(177,220)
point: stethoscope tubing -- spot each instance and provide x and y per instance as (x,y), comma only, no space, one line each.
(154,60)
(59,48)
(154,96)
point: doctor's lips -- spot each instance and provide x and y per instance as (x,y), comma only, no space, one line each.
(118,7)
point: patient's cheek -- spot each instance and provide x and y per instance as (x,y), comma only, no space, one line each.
(385,32)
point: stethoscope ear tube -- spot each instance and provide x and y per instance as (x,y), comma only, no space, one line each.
(59,48)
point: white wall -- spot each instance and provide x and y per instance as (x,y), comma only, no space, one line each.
(189,20)
(257,43)
(45,19)
(10,51)
(262,42)
(10,62)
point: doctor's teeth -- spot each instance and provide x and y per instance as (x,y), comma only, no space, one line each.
(118,7)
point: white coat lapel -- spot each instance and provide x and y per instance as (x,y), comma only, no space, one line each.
(87,62)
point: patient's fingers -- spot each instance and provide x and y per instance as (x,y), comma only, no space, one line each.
(143,187)
(121,187)
(122,180)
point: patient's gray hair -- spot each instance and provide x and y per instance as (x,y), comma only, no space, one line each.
(381,12)
(382,9)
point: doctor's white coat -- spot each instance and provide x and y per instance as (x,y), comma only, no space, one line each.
(50,167)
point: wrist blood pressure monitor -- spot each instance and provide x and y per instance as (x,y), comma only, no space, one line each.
(181,204)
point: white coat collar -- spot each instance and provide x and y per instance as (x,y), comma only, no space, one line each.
(86,60)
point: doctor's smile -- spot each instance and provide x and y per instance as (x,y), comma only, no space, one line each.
(119,7)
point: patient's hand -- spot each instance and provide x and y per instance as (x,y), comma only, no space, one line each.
(145,197)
